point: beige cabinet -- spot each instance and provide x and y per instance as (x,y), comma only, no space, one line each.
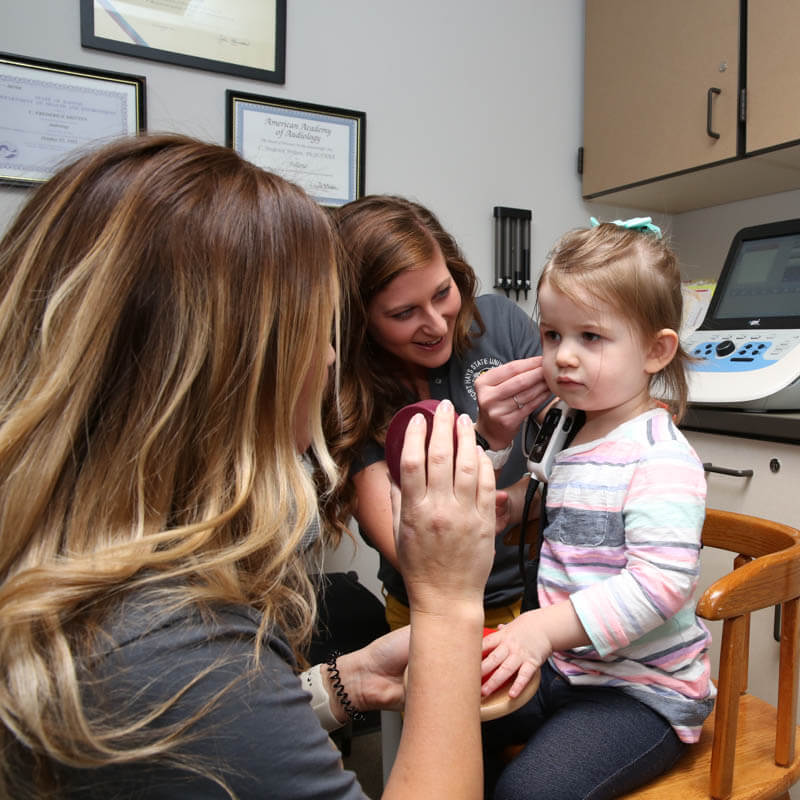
(773,73)
(674,118)
(771,492)
(649,67)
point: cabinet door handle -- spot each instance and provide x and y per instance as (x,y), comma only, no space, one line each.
(709,98)
(737,473)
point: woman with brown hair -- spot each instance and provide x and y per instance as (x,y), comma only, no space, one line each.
(416,330)
(165,322)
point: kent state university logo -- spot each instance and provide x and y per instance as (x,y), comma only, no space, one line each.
(477,368)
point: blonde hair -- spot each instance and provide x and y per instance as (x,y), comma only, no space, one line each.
(163,304)
(637,275)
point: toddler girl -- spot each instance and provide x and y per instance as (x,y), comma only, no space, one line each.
(624,667)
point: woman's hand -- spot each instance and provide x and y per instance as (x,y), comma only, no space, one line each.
(445,520)
(506,396)
(445,544)
(373,675)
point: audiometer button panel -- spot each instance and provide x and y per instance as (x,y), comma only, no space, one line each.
(727,352)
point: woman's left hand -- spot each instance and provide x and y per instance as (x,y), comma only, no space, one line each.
(373,675)
(506,395)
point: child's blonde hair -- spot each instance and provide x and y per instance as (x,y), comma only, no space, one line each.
(637,275)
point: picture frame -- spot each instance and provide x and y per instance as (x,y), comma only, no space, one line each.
(320,148)
(49,111)
(246,38)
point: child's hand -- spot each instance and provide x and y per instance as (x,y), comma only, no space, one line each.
(523,645)
(517,648)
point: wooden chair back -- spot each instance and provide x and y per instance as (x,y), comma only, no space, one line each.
(748,748)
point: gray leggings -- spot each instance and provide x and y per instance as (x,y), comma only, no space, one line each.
(583,743)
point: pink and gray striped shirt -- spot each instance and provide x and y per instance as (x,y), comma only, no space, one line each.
(625,514)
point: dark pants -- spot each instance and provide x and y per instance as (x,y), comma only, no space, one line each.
(583,743)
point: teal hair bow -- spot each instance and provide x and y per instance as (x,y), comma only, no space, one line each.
(641,224)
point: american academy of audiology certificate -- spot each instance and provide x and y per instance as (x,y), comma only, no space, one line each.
(319,150)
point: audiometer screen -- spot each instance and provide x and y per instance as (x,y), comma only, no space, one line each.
(764,281)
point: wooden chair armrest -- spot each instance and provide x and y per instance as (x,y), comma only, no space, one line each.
(766,581)
(741,533)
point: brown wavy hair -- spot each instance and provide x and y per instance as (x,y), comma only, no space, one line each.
(163,302)
(382,236)
(636,274)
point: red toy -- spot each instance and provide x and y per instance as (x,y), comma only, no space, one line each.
(397,431)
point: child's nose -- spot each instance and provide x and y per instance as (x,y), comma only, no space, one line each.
(565,355)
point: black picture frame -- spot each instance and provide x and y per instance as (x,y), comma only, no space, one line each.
(113,32)
(50,111)
(321,148)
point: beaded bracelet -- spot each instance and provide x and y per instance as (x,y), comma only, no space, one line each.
(352,712)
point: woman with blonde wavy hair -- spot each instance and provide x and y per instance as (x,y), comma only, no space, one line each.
(164,349)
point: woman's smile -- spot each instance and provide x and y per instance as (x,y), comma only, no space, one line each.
(432,345)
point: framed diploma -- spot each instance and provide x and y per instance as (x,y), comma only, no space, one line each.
(317,147)
(238,37)
(49,111)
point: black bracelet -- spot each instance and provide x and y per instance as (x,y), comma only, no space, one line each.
(352,712)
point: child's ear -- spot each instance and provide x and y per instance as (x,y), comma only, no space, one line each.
(661,351)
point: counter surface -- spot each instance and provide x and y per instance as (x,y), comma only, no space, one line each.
(775,426)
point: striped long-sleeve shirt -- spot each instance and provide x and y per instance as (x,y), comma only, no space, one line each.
(625,514)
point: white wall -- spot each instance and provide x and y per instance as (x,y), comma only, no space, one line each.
(702,238)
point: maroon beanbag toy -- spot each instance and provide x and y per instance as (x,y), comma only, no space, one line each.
(397,431)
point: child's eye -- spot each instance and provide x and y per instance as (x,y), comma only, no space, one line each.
(591,337)
(552,336)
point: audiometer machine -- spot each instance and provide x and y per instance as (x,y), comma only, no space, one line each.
(747,348)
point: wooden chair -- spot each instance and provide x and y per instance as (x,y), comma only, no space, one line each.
(748,747)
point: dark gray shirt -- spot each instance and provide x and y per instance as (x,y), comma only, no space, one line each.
(261,736)
(510,335)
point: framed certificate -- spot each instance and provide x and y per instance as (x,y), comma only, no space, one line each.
(318,147)
(238,37)
(48,111)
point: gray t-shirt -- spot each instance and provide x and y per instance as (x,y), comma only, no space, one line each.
(510,335)
(262,736)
